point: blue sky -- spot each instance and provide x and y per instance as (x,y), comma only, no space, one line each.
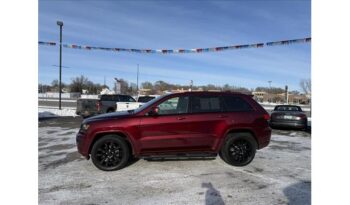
(169,24)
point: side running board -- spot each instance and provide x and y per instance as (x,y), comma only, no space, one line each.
(180,156)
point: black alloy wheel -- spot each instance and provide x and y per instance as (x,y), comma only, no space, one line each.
(110,153)
(239,149)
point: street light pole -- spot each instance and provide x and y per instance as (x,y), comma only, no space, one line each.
(269,89)
(137,83)
(60,23)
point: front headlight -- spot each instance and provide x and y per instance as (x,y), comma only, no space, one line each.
(84,127)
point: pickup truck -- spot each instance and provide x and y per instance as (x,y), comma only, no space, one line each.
(105,104)
(141,99)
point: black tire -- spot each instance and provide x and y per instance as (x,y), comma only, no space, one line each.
(110,153)
(239,149)
(110,110)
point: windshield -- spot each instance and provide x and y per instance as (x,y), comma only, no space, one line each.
(146,105)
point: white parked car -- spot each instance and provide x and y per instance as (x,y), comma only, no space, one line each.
(141,99)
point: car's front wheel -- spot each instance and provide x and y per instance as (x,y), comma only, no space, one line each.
(238,149)
(110,153)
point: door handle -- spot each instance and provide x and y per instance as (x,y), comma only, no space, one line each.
(181,118)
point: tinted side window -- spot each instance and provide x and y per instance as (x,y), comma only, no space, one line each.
(176,105)
(205,104)
(145,99)
(109,98)
(235,103)
(126,98)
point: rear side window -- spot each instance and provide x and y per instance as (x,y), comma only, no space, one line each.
(126,98)
(235,104)
(145,99)
(205,104)
(109,98)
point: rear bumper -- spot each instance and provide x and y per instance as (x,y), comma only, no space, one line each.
(264,138)
(289,124)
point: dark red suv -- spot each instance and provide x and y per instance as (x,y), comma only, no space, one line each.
(189,124)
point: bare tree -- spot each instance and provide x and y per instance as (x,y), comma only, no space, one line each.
(305,85)
(79,83)
(55,85)
(147,85)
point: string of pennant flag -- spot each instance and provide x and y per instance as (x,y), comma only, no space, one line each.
(193,50)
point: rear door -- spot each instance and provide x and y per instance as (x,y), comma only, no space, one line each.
(207,121)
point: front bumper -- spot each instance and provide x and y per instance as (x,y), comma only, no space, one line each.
(81,145)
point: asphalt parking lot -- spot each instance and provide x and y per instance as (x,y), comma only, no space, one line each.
(279,174)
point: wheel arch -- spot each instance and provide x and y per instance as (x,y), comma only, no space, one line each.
(241,130)
(119,133)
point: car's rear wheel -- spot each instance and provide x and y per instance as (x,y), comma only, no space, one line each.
(110,153)
(239,149)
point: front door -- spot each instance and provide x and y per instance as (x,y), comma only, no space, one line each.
(166,131)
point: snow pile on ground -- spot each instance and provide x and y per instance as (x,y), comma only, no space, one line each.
(47,112)
(56,100)
(106,91)
(89,97)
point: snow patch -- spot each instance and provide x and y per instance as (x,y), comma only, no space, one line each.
(48,112)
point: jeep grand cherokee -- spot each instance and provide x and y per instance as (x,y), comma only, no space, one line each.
(191,124)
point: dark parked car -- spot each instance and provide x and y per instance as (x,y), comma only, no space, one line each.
(288,116)
(189,124)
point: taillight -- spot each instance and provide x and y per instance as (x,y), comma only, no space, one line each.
(98,106)
(266,116)
(302,116)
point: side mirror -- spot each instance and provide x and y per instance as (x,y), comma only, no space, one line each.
(153,111)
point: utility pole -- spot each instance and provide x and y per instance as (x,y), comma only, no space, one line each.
(191,85)
(60,23)
(137,81)
(269,93)
(286,94)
